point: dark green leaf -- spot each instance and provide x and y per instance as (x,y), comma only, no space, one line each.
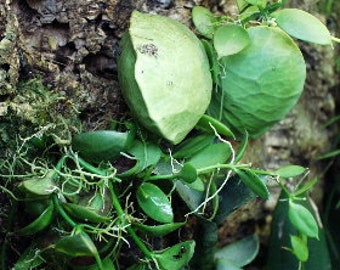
(158,230)
(155,203)
(175,257)
(242,148)
(290,171)
(302,219)
(240,253)
(40,223)
(214,64)
(204,21)
(234,195)
(230,39)
(40,186)
(77,245)
(253,182)
(192,198)
(212,155)
(101,145)
(303,25)
(206,237)
(107,265)
(30,259)
(192,145)
(299,247)
(84,213)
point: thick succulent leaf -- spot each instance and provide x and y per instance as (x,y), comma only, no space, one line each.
(155,203)
(84,213)
(101,145)
(230,39)
(175,257)
(79,244)
(240,253)
(213,154)
(192,145)
(261,83)
(303,25)
(254,183)
(158,230)
(40,223)
(40,186)
(155,75)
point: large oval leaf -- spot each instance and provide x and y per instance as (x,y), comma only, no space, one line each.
(302,25)
(155,75)
(252,181)
(155,203)
(261,83)
(101,145)
(84,213)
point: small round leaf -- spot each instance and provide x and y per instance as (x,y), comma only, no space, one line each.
(230,39)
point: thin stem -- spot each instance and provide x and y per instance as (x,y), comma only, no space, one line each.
(62,211)
(335,39)
(122,214)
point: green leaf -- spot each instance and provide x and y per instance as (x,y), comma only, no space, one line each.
(290,171)
(214,64)
(40,223)
(302,25)
(84,213)
(302,219)
(240,253)
(258,3)
(107,265)
(101,145)
(40,186)
(158,230)
(155,203)
(30,259)
(253,182)
(230,39)
(147,153)
(192,198)
(192,145)
(213,154)
(175,257)
(77,245)
(208,124)
(242,148)
(204,21)
(299,247)
(305,187)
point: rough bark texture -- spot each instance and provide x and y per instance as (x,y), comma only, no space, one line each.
(72,45)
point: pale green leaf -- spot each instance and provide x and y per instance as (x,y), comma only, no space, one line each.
(303,25)
(303,219)
(230,39)
(290,171)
